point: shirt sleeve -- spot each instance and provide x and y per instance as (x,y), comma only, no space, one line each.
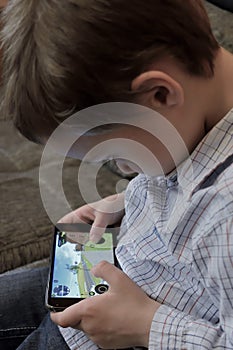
(76,339)
(175,330)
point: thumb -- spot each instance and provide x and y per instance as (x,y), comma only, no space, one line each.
(70,317)
(111,274)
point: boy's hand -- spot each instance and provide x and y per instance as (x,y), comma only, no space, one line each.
(100,214)
(119,318)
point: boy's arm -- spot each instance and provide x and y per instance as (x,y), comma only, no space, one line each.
(172,329)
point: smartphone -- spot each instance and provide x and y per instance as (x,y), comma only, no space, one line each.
(73,255)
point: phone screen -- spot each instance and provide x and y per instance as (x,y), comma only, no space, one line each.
(72,258)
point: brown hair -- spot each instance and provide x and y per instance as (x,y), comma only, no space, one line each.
(61,56)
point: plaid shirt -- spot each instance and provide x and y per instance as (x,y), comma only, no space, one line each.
(177,245)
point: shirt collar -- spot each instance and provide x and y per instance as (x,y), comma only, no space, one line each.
(212,151)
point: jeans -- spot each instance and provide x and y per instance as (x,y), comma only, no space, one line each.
(24,321)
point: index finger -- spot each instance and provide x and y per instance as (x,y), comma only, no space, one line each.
(74,217)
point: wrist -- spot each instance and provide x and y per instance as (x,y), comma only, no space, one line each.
(146,321)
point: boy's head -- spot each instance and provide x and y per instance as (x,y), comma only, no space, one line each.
(61,56)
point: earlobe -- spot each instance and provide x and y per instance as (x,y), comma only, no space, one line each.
(158,89)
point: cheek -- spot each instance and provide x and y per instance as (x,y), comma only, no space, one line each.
(81,147)
(76,153)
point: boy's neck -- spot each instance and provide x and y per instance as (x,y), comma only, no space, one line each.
(220,92)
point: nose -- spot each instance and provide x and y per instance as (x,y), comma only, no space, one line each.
(125,166)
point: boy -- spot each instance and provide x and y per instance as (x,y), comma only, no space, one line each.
(176,288)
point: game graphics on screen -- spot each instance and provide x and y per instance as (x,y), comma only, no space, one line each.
(75,255)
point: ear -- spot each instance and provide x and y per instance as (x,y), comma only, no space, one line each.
(157,89)
(3,3)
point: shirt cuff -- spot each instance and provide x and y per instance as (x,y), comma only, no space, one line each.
(167,329)
(76,339)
